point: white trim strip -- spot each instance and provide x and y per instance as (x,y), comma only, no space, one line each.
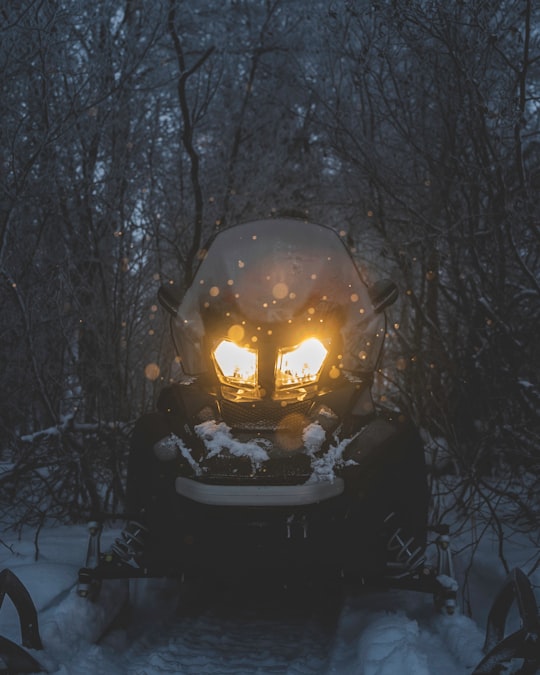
(258,495)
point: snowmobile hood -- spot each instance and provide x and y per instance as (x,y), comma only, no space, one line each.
(278,272)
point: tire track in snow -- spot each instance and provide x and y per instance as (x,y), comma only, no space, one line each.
(234,643)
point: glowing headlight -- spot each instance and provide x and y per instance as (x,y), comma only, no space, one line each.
(236,365)
(301,364)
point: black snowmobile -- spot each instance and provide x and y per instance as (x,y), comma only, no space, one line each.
(268,455)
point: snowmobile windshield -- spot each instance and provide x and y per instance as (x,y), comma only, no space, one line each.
(274,275)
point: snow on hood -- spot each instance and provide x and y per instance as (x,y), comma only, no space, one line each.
(167,447)
(218,438)
(323,466)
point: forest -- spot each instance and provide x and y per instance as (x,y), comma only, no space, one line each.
(131,131)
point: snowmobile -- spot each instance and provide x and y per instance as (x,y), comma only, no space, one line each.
(267,454)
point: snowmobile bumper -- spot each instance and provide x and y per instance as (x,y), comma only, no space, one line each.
(258,495)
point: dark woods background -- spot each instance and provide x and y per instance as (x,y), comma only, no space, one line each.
(131,130)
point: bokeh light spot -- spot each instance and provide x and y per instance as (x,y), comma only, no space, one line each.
(280,290)
(151,371)
(334,372)
(289,434)
(401,363)
(236,333)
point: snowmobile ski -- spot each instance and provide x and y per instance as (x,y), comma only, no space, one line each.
(13,657)
(522,644)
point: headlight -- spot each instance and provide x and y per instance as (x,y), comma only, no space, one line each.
(301,364)
(236,365)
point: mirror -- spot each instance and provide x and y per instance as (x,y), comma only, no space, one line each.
(383,293)
(169,298)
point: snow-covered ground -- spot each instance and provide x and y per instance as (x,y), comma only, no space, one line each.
(379,633)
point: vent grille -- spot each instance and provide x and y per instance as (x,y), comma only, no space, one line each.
(262,416)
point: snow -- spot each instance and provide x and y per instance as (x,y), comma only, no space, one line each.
(217,437)
(313,437)
(447,582)
(323,467)
(378,633)
(167,448)
(390,644)
(263,629)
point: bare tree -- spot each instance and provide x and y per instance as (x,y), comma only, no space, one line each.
(131,131)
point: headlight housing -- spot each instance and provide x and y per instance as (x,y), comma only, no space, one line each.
(296,370)
(300,365)
(236,366)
